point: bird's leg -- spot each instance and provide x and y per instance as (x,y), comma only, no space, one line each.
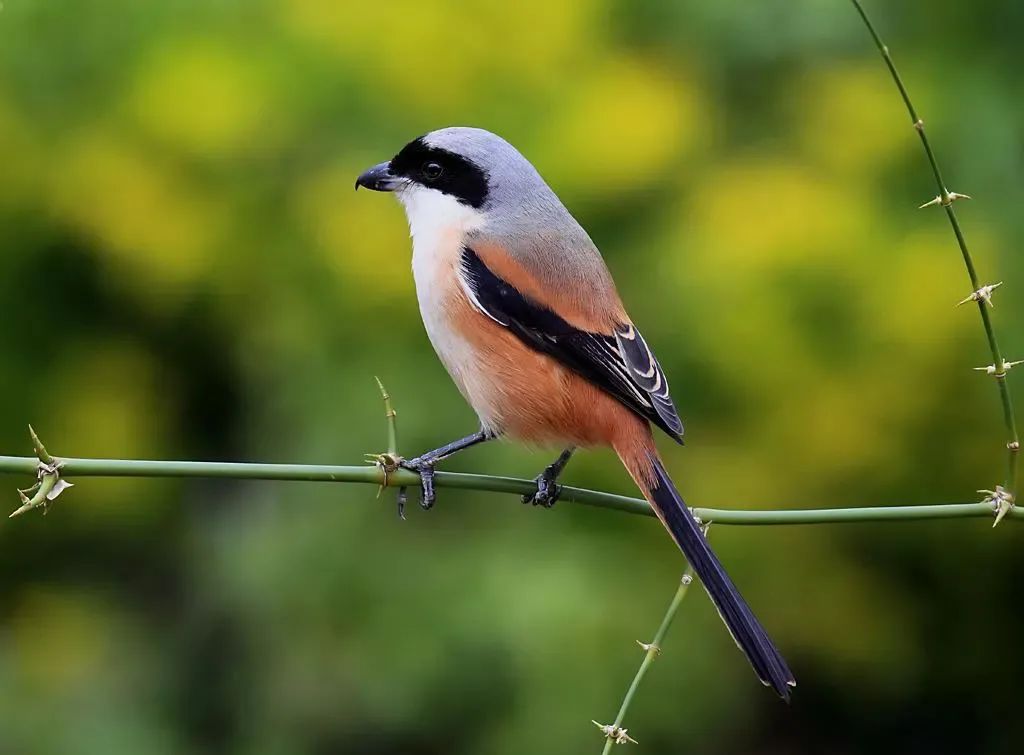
(548,488)
(423,465)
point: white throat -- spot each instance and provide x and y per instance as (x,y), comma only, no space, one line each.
(434,216)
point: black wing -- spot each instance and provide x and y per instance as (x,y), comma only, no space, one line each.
(621,364)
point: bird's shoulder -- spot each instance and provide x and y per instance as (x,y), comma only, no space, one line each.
(570,280)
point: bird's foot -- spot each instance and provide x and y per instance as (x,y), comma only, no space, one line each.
(547,491)
(424,467)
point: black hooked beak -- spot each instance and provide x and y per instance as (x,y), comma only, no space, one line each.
(379,178)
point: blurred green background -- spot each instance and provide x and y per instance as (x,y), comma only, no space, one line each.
(186,272)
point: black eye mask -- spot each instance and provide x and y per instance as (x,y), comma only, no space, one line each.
(458,177)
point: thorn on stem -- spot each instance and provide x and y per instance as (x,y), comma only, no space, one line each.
(982,294)
(37,445)
(386,463)
(49,484)
(390,415)
(999,373)
(389,411)
(945,199)
(1001,501)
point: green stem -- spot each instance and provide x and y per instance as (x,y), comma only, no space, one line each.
(652,650)
(373,475)
(1009,420)
(391,415)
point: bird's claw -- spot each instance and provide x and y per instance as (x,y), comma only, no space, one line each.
(424,467)
(547,492)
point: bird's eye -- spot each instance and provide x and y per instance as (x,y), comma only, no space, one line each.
(432,171)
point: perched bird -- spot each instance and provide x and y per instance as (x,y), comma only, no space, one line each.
(522,311)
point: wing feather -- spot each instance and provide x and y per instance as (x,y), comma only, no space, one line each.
(648,374)
(622,364)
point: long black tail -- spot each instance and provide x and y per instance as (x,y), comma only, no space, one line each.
(751,637)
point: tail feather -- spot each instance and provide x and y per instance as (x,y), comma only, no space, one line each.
(746,630)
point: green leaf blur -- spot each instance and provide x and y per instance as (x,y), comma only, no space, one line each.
(187,273)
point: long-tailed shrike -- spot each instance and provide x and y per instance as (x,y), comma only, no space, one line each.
(522,310)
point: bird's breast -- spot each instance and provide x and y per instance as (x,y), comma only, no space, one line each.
(444,308)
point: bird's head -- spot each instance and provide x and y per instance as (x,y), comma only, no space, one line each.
(464,175)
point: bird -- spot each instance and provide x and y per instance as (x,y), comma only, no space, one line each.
(521,309)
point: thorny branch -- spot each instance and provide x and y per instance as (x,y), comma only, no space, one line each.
(980,294)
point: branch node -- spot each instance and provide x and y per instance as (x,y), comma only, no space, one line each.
(49,483)
(946,198)
(387,463)
(615,733)
(687,578)
(1013,445)
(999,372)
(918,124)
(649,647)
(983,294)
(1001,500)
